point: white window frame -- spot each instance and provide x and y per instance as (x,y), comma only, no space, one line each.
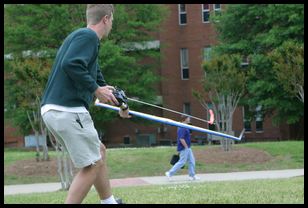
(205,10)
(259,118)
(182,61)
(216,9)
(207,51)
(180,12)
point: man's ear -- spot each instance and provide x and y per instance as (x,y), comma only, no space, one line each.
(104,19)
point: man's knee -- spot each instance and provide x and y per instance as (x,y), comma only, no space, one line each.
(103,151)
(92,168)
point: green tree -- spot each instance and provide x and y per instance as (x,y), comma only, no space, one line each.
(24,83)
(41,28)
(34,32)
(289,67)
(224,82)
(254,30)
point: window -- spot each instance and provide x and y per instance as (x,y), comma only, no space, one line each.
(182,14)
(207,53)
(245,62)
(259,119)
(186,108)
(247,122)
(205,13)
(184,63)
(217,9)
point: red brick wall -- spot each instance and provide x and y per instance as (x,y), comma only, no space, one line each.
(11,137)
(195,35)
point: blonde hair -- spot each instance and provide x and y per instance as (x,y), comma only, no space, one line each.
(95,12)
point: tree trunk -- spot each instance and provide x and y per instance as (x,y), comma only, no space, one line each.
(64,170)
(45,149)
(37,146)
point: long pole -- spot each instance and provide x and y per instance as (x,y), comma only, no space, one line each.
(171,122)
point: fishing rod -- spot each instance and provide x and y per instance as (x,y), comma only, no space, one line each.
(122,99)
(167,109)
(171,122)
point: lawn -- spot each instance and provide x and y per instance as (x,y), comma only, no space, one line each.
(274,191)
(154,161)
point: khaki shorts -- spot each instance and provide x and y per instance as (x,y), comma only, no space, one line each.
(76,132)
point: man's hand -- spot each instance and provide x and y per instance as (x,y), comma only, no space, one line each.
(105,95)
(124,113)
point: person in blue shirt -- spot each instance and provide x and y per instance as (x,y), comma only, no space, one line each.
(185,151)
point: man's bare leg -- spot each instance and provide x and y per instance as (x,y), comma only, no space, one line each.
(102,183)
(82,183)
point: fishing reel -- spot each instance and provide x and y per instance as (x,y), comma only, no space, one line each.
(119,94)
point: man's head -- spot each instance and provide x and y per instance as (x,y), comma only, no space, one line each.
(100,16)
(185,119)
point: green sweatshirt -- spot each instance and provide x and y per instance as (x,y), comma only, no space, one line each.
(75,73)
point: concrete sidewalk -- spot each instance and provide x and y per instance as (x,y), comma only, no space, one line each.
(160,180)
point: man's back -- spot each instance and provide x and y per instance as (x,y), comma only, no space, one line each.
(74,72)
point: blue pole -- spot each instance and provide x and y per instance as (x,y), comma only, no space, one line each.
(172,122)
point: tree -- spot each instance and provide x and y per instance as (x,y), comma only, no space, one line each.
(289,67)
(23,88)
(254,30)
(26,29)
(39,29)
(224,82)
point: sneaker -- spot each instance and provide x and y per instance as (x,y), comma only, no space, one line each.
(119,201)
(194,178)
(168,175)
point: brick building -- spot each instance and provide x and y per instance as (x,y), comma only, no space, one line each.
(185,41)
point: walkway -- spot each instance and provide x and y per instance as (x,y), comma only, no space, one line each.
(160,180)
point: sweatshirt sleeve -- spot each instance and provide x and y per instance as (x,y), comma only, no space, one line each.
(75,62)
(100,78)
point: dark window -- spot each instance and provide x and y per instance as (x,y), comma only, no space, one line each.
(217,9)
(186,108)
(259,120)
(247,120)
(184,63)
(185,73)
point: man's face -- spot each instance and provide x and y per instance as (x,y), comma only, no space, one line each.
(188,120)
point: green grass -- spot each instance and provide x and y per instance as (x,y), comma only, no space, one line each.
(286,155)
(12,155)
(154,161)
(273,191)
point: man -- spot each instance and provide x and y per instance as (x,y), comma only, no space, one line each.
(186,154)
(74,80)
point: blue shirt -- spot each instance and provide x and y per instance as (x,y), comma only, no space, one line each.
(183,133)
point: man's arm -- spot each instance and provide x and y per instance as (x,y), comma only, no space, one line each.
(100,78)
(184,143)
(212,117)
(75,61)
